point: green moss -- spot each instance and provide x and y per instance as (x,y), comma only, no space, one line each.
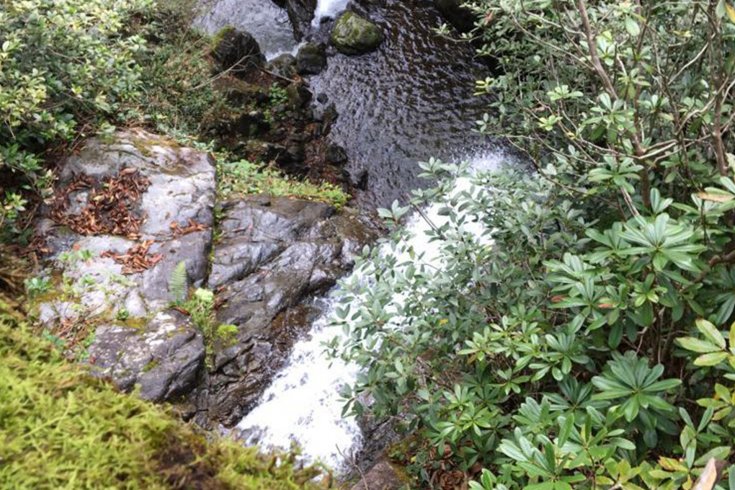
(243,177)
(219,36)
(60,428)
(151,366)
(353,34)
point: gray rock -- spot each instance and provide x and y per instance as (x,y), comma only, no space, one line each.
(237,51)
(382,476)
(181,191)
(335,155)
(311,59)
(163,358)
(299,95)
(275,254)
(283,65)
(300,13)
(353,34)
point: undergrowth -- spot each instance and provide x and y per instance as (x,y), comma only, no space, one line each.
(179,93)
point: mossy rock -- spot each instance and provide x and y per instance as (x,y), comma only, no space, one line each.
(236,51)
(353,34)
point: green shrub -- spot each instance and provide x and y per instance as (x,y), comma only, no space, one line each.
(65,67)
(552,343)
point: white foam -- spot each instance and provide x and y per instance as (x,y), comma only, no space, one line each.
(303,405)
(269,56)
(328,9)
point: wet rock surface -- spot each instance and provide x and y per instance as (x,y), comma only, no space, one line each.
(311,59)
(283,65)
(274,254)
(163,358)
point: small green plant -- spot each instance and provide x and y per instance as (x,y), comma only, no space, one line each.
(122,314)
(37,286)
(71,257)
(277,95)
(201,310)
(178,284)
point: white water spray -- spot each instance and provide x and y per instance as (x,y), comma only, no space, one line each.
(302,405)
(328,8)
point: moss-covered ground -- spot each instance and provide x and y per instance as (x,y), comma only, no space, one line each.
(61,428)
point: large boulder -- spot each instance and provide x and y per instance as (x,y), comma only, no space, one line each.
(462,18)
(273,256)
(237,52)
(352,34)
(127,210)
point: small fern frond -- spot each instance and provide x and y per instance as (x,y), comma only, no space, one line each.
(178,284)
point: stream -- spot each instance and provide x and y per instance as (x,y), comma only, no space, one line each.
(410,100)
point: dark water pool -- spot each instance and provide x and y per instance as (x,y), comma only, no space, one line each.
(404,103)
(410,100)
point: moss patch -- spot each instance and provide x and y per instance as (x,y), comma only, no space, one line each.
(60,428)
(243,177)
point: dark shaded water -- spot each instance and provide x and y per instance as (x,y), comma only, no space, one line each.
(410,100)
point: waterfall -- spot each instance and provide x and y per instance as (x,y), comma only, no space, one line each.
(328,8)
(302,405)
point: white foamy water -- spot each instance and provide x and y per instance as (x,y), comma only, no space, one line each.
(302,405)
(267,23)
(328,8)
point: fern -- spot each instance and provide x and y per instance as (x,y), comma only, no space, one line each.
(178,283)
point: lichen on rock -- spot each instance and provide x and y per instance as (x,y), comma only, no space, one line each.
(115,277)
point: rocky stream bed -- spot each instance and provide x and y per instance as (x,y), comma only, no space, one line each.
(370,92)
